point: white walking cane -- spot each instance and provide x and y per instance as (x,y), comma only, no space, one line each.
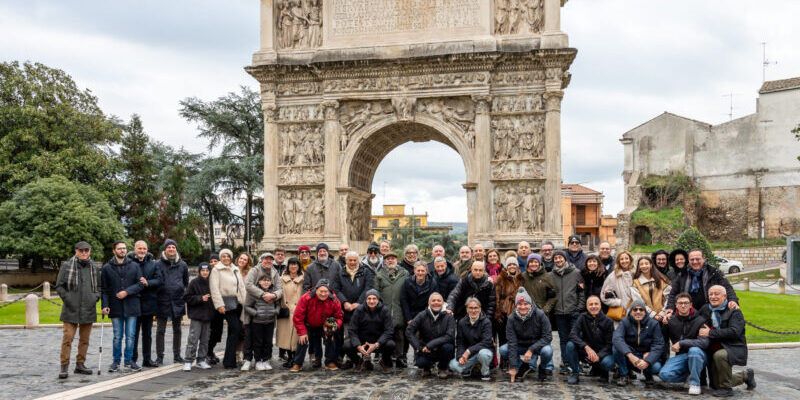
(100,358)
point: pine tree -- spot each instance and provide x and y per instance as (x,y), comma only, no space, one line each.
(139,196)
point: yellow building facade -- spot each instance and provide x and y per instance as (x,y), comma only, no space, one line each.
(381,225)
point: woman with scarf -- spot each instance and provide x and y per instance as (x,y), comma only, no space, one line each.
(227,293)
(493,265)
(652,287)
(594,275)
(292,279)
(616,291)
(506,285)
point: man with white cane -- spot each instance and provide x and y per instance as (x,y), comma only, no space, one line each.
(78,285)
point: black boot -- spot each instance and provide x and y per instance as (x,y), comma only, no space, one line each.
(64,372)
(81,369)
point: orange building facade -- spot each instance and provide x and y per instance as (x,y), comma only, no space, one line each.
(582,214)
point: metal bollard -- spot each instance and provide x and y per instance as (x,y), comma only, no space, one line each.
(31,311)
(781,286)
(46,290)
(4,292)
(746,284)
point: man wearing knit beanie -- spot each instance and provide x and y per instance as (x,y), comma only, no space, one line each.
(638,344)
(529,336)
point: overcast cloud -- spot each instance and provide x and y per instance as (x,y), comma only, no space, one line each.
(636,59)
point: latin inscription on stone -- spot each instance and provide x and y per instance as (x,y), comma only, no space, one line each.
(363,17)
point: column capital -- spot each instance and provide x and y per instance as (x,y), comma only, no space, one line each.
(331,109)
(270,111)
(483,103)
(553,100)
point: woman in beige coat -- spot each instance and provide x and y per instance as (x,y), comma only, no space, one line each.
(292,280)
(227,285)
(616,291)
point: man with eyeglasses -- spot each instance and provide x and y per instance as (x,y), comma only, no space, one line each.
(304,254)
(606,258)
(689,347)
(78,286)
(373,260)
(697,281)
(575,254)
(638,344)
(410,255)
(548,250)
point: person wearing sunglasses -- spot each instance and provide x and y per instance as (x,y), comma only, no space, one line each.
(373,260)
(638,344)
(575,254)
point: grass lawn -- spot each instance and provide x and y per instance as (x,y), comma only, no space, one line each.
(48,313)
(769,275)
(779,312)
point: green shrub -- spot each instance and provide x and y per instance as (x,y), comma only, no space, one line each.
(693,239)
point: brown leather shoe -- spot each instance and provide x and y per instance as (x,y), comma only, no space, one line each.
(295,368)
(332,367)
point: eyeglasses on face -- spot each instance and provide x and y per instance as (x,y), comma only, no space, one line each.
(305,252)
(574,242)
(637,309)
(684,303)
(411,252)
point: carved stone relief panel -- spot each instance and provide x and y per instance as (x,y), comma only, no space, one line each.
(298,88)
(517,136)
(299,23)
(302,175)
(518,78)
(513,17)
(300,113)
(519,206)
(528,103)
(354,115)
(358,218)
(398,83)
(301,144)
(520,169)
(456,111)
(302,211)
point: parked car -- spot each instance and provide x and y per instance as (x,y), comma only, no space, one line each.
(729,266)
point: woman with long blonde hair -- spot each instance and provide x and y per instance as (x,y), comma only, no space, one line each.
(616,291)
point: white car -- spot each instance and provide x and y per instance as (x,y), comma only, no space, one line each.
(729,266)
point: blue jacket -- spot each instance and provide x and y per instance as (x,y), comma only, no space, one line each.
(639,337)
(149,295)
(116,277)
(170,295)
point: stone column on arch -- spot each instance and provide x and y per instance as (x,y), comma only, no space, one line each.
(271,155)
(552,153)
(331,130)
(482,162)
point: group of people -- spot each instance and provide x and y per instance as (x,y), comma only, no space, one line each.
(613,314)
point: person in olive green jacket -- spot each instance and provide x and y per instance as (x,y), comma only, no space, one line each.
(389,283)
(78,285)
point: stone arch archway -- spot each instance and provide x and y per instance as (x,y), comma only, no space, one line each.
(369,146)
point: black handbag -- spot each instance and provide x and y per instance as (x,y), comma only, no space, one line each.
(232,302)
(283,312)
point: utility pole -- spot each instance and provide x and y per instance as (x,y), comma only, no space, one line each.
(413,222)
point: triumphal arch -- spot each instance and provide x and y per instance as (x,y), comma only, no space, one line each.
(343,82)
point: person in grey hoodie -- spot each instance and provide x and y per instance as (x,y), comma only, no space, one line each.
(529,335)
(569,301)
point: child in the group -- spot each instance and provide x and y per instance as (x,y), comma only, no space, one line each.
(262,326)
(201,312)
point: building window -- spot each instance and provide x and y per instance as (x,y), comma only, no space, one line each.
(395,221)
(374,223)
(580,215)
(216,231)
(416,222)
(384,236)
(615,231)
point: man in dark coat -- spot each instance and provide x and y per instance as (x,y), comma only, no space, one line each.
(325,267)
(638,343)
(574,253)
(373,260)
(171,306)
(690,349)
(569,301)
(416,290)
(370,331)
(529,336)
(548,249)
(474,343)
(350,286)
(436,252)
(78,286)
(607,260)
(431,333)
(121,284)
(444,277)
(728,345)
(476,284)
(591,340)
(699,277)
(152,280)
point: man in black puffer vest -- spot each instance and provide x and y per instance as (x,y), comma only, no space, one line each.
(370,331)
(591,339)
(437,331)
(152,281)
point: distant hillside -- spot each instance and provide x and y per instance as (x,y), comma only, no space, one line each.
(458,227)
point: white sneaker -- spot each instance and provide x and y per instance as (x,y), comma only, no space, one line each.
(267,366)
(260,366)
(694,390)
(187,366)
(203,365)
(246,366)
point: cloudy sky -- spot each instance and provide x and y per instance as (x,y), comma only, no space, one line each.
(636,59)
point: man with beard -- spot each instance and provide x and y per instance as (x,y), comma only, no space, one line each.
(464,264)
(575,254)
(437,331)
(151,279)
(323,268)
(547,256)
(604,251)
(373,260)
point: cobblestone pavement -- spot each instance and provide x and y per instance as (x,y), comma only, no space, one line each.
(24,375)
(29,361)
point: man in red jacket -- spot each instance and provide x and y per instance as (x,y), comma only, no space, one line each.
(317,308)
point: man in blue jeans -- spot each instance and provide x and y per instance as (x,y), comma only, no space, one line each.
(121,284)
(529,336)
(474,343)
(590,340)
(690,349)
(638,343)
(437,330)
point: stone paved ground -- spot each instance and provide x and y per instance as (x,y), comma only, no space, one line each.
(28,370)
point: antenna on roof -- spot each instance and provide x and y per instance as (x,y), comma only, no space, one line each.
(730,110)
(765,63)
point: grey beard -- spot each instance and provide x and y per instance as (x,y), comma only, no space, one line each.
(373,260)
